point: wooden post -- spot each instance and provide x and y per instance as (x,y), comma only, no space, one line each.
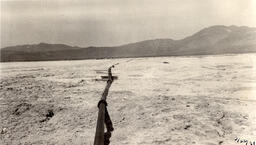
(99,135)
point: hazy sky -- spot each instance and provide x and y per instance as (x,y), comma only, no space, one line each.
(115,22)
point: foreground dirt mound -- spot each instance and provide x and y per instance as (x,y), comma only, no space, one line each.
(180,100)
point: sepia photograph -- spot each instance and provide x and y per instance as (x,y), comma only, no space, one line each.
(128,72)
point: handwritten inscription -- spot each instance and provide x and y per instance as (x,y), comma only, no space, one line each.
(247,142)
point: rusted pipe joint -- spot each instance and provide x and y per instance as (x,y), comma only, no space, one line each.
(102,101)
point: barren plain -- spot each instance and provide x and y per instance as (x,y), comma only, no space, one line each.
(208,100)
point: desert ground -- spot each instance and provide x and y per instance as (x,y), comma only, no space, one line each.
(208,100)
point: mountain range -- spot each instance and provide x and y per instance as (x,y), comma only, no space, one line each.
(209,41)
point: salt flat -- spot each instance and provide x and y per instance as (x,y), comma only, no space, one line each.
(186,100)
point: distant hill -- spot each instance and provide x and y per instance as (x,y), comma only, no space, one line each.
(212,40)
